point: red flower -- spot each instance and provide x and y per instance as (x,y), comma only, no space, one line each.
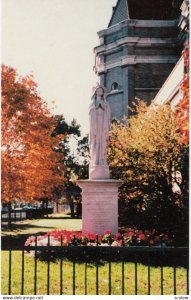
(142,236)
(129,234)
(91,236)
(107,232)
(117,236)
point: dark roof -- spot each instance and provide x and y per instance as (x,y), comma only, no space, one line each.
(145,10)
(120,13)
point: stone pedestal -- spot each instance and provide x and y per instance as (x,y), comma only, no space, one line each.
(99,205)
(99,172)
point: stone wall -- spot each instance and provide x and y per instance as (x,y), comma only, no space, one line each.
(138,55)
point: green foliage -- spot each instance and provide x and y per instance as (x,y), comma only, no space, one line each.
(143,152)
(76,164)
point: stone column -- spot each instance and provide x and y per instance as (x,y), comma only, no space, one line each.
(99,205)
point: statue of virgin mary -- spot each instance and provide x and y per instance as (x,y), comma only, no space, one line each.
(99,114)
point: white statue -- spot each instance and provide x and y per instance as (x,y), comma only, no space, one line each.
(99,113)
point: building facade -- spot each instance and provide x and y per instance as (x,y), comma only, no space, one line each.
(170,91)
(138,51)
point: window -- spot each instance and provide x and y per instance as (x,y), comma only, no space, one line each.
(114,86)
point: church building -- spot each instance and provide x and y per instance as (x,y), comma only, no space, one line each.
(138,50)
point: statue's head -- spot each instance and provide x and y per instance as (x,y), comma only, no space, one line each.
(99,91)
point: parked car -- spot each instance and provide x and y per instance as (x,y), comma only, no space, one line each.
(4,209)
(27,207)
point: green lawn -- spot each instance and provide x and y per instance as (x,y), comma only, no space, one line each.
(116,278)
(55,221)
(59,221)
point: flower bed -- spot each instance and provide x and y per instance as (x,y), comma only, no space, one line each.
(125,237)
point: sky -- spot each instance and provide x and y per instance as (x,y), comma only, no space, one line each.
(53,40)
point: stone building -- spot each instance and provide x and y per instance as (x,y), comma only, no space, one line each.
(170,91)
(138,50)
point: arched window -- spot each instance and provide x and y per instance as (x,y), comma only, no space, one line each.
(114,86)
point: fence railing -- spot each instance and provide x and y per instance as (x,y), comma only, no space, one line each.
(18,215)
(94,257)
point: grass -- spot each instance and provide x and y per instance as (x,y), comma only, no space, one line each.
(55,221)
(25,228)
(116,278)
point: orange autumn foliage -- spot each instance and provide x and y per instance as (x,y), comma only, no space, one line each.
(30,168)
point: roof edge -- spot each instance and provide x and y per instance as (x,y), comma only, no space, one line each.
(114,10)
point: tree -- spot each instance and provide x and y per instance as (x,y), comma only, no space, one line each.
(69,160)
(143,152)
(76,163)
(30,168)
(83,158)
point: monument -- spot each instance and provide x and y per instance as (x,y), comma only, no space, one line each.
(99,192)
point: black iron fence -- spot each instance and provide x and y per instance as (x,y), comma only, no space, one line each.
(19,215)
(96,256)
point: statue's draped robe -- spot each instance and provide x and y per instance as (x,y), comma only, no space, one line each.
(99,132)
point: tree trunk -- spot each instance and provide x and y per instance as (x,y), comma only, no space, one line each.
(46,205)
(71,203)
(9,216)
(79,209)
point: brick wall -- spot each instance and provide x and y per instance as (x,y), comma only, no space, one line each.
(151,75)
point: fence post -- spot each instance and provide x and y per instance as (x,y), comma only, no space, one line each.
(97,272)
(22,271)
(123,270)
(85,279)
(61,279)
(48,267)
(161,269)
(149,275)
(109,266)
(187,280)
(174,277)
(136,288)
(10,263)
(74,273)
(35,265)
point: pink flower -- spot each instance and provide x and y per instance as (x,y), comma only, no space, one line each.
(107,232)
(118,235)
(141,236)
(129,234)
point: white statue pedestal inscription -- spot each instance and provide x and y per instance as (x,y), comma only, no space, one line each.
(99,205)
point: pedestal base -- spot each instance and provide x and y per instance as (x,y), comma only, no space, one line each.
(99,172)
(99,205)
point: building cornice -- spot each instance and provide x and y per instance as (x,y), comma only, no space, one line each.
(133,60)
(111,93)
(138,23)
(139,42)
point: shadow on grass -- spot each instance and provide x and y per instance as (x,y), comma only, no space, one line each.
(16,241)
(62,218)
(21,227)
(18,226)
